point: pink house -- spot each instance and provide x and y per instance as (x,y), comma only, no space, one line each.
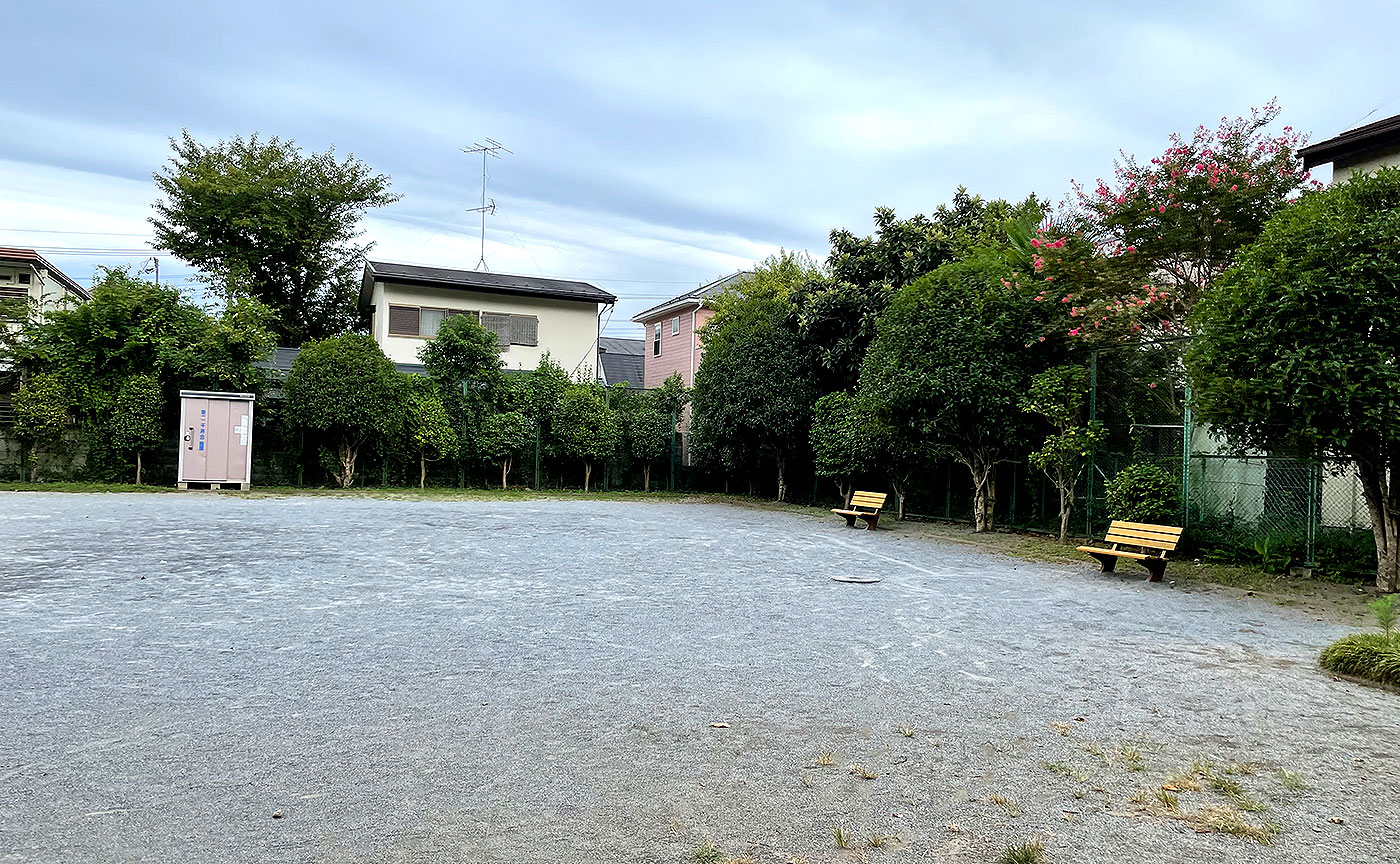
(670,345)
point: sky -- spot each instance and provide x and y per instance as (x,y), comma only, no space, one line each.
(655,146)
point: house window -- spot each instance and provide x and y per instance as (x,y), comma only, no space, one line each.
(675,325)
(24,278)
(656,341)
(424,321)
(512,329)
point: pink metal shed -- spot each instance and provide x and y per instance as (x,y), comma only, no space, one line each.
(216,439)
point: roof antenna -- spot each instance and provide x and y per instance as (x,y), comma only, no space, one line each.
(494,149)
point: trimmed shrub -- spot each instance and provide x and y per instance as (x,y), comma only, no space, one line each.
(1143,493)
(1373,656)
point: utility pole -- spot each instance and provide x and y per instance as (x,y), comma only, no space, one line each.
(493,149)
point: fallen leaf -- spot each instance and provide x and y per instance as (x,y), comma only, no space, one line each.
(719,725)
(1171,787)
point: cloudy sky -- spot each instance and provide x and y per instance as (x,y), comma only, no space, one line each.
(655,146)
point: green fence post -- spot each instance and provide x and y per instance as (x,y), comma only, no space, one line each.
(671,481)
(1012,510)
(1186,456)
(1089,466)
(537,455)
(1314,512)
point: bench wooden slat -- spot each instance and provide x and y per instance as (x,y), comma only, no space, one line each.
(1143,526)
(1136,556)
(1136,540)
(865,506)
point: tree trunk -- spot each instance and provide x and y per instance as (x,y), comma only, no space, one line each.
(34,464)
(782,479)
(646,477)
(1066,504)
(505,473)
(422,470)
(846,488)
(346,477)
(138,467)
(984,489)
(1381,501)
(899,487)
(587,473)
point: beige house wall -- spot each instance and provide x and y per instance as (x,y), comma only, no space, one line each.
(1341,173)
(568,329)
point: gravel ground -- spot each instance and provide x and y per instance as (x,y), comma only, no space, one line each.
(419,681)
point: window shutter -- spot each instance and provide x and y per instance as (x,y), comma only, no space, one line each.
(498,323)
(524,330)
(403,320)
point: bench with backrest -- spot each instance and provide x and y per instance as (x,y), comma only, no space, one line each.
(864,505)
(1150,543)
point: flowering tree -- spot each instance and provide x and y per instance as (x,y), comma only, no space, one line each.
(1177,222)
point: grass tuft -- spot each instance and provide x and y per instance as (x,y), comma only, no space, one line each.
(1373,656)
(1030,852)
(708,853)
(876,841)
(1011,807)
(826,757)
(906,731)
(1291,780)
(843,840)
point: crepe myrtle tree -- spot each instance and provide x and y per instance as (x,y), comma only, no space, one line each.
(1296,348)
(135,423)
(345,389)
(1058,395)
(1186,214)
(586,427)
(429,429)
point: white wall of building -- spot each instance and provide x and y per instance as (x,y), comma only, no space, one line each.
(568,329)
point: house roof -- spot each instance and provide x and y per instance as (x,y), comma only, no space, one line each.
(1361,141)
(477,280)
(691,298)
(281,359)
(620,360)
(12,255)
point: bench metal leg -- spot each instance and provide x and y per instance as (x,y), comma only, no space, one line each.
(850,520)
(1106,562)
(1155,568)
(871,521)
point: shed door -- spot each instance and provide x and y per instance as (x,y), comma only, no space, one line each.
(194,438)
(238,427)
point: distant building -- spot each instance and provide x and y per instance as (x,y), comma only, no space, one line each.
(1360,150)
(671,342)
(620,362)
(406,304)
(26,275)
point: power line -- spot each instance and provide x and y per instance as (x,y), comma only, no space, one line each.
(55,231)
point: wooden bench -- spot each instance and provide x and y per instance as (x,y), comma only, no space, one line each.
(1152,541)
(864,505)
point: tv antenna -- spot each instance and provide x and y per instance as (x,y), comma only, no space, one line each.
(493,149)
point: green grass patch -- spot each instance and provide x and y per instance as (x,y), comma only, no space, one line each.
(1373,656)
(1031,852)
(79,486)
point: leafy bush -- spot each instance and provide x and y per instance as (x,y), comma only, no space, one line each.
(1143,493)
(1374,656)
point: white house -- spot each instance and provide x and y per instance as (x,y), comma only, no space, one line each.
(25,275)
(1357,151)
(530,315)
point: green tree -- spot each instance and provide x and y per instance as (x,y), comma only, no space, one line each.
(264,219)
(1058,396)
(135,424)
(754,390)
(647,425)
(41,416)
(672,396)
(502,437)
(347,390)
(840,440)
(428,426)
(952,358)
(587,429)
(464,361)
(1296,347)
